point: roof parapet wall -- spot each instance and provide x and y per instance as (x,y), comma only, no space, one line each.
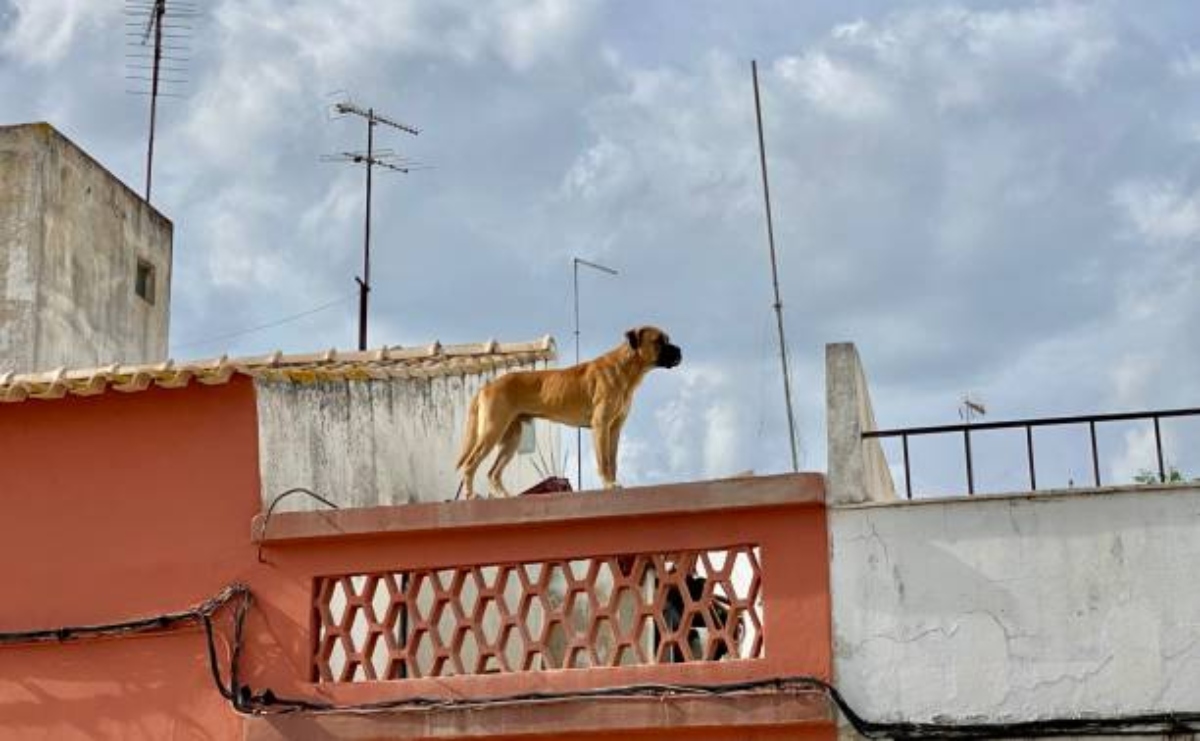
(858,470)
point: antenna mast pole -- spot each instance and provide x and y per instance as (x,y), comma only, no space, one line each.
(156,20)
(364,283)
(157,38)
(371,161)
(778,305)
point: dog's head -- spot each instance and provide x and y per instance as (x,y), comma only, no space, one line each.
(653,347)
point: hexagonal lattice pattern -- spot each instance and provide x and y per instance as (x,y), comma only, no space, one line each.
(574,614)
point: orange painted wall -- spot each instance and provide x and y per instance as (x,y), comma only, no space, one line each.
(113,507)
(122,506)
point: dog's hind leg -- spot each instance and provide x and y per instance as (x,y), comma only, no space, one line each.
(470,432)
(489,432)
(470,435)
(508,448)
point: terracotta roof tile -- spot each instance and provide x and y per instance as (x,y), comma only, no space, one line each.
(427,361)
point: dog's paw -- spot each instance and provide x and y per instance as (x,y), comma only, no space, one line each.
(613,485)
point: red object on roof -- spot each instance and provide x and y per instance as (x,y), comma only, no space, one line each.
(552,485)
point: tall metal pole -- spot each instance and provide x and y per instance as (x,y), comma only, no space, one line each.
(787,384)
(160,10)
(364,283)
(575,263)
(578,430)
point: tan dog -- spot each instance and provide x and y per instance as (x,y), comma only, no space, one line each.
(595,394)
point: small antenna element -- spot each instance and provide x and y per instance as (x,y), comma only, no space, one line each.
(158,38)
(371,159)
(787,381)
(970,408)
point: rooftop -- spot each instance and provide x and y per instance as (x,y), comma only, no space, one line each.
(428,361)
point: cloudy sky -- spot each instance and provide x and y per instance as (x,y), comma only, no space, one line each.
(1000,198)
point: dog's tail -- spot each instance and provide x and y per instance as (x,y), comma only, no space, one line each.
(470,434)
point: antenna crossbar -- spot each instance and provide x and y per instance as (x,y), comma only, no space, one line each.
(372,158)
(347,107)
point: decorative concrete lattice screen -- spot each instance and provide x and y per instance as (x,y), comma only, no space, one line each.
(571,614)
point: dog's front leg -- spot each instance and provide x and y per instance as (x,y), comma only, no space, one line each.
(602,431)
(614,443)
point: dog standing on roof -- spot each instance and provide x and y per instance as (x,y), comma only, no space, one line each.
(596,394)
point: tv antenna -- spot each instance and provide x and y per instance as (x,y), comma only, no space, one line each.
(158,39)
(970,408)
(371,159)
(778,305)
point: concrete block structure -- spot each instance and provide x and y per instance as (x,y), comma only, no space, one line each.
(85,263)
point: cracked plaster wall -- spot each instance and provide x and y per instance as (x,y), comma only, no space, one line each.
(1018,608)
(379,442)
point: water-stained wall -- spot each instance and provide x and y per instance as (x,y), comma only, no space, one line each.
(377,442)
(73,241)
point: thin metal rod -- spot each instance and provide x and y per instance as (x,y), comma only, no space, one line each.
(578,430)
(1095,453)
(1029,448)
(160,9)
(787,384)
(575,263)
(1162,471)
(364,283)
(970,465)
(907,470)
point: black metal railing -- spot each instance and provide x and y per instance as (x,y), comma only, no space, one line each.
(1029,424)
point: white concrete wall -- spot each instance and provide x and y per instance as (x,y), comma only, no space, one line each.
(1019,608)
(71,236)
(858,470)
(366,443)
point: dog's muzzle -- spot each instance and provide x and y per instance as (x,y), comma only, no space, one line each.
(669,356)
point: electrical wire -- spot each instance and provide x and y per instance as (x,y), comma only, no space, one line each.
(153,624)
(262,530)
(266,325)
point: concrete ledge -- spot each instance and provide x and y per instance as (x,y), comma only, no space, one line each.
(705,496)
(751,714)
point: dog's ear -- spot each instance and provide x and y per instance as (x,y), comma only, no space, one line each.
(633,336)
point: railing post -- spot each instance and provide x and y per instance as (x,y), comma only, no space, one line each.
(1095,455)
(1029,447)
(907,470)
(1162,471)
(970,468)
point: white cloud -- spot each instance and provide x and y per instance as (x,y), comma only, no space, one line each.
(1186,65)
(1160,211)
(44,30)
(1139,455)
(834,87)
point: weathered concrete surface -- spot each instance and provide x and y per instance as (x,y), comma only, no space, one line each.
(71,236)
(858,470)
(1018,608)
(369,443)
